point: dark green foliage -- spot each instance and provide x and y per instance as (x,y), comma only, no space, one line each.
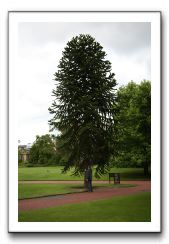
(44,151)
(83,106)
(133,126)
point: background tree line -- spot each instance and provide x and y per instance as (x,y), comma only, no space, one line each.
(133,126)
(131,135)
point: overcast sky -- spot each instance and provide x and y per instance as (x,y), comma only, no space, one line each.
(40,46)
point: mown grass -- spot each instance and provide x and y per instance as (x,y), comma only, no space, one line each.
(131,208)
(39,190)
(55,173)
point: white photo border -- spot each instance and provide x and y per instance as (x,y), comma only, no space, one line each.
(14,17)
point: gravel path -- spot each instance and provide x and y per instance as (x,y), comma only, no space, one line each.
(100,193)
(60,181)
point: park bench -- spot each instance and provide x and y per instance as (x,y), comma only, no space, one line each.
(116,177)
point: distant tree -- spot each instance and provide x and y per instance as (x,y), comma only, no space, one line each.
(83,107)
(44,151)
(133,126)
(144,126)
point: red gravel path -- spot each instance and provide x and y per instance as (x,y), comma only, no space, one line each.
(60,181)
(101,193)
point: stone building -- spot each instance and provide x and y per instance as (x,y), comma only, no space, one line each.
(23,153)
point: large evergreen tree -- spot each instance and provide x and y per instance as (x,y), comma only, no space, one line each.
(83,105)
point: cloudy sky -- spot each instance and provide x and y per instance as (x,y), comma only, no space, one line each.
(40,46)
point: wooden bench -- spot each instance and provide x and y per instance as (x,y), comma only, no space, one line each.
(116,177)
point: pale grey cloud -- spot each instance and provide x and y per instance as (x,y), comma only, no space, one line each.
(123,37)
(40,46)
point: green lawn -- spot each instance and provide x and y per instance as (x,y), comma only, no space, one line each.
(54,173)
(39,190)
(132,208)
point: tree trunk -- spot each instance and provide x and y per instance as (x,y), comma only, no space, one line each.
(85,183)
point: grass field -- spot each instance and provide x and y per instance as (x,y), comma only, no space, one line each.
(54,173)
(39,190)
(132,208)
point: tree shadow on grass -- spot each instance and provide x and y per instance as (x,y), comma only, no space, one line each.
(104,186)
(134,176)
